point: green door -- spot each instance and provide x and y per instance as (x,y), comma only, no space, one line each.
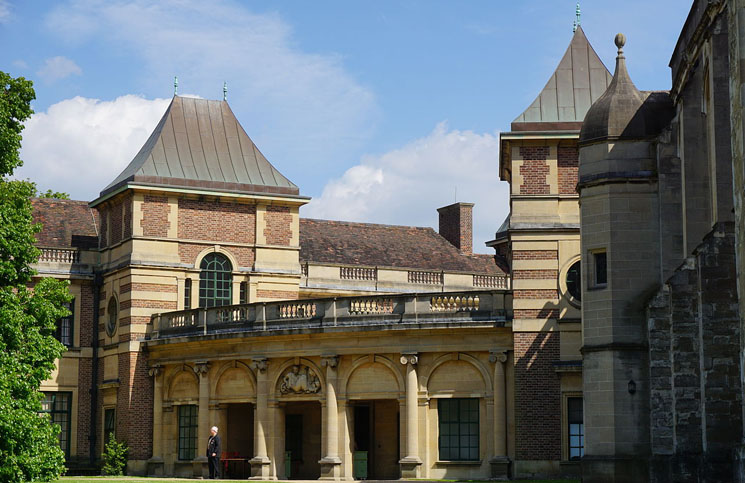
(359,465)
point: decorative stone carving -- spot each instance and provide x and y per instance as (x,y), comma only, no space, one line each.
(300,379)
(260,365)
(409,359)
(497,355)
(155,371)
(330,361)
(201,368)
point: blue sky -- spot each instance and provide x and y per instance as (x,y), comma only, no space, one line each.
(378,110)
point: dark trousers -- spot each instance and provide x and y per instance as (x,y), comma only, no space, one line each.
(214,462)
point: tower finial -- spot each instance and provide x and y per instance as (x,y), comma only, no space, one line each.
(175,85)
(225,91)
(578,18)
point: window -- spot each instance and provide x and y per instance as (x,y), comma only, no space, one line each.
(187,432)
(187,294)
(215,281)
(573,281)
(576,428)
(600,260)
(58,405)
(112,310)
(244,293)
(109,424)
(64,332)
(459,429)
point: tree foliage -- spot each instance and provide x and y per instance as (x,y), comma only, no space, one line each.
(57,195)
(29,449)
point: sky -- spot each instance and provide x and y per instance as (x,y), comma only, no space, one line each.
(381,111)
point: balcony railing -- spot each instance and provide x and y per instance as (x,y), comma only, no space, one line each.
(426,278)
(484,308)
(358,273)
(490,281)
(59,255)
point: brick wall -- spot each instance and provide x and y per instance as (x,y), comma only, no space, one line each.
(87,324)
(134,405)
(537,294)
(535,255)
(534,170)
(278,229)
(104,217)
(85,374)
(155,216)
(197,220)
(536,313)
(456,225)
(115,214)
(537,396)
(535,274)
(568,163)
(127,202)
(276,294)
(188,253)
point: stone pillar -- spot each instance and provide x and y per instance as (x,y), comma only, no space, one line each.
(331,463)
(500,462)
(260,464)
(203,419)
(155,464)
(411,463)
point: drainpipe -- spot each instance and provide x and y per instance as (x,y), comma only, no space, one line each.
(97,283)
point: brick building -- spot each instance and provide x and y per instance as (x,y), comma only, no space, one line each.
(320,348)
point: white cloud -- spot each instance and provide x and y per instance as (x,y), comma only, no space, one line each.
(303,109)
(21,64)
(79,145)
(4,11)
(57,68)
(406,186)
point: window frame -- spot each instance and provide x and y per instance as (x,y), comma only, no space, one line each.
(187,433)
(106,432)
(445,419)
(569,430)
(187,293)
(66,412)
(59,331)
(213,280)
(593,283)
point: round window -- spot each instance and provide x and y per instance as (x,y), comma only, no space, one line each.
(113,312)
(573,281)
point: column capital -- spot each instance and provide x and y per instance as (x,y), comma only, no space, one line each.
(260,364)
(329,361)
(497,355)
(155,370)
(201,368)
(409,358)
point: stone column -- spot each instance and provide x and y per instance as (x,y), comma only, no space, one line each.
(331,463)
(202,368)
(411,463)
(500,463)
(155,464)
(260,464)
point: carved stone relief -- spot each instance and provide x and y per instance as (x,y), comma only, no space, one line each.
(300,379)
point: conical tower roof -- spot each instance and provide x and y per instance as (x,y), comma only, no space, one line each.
(579,80)
(200,145)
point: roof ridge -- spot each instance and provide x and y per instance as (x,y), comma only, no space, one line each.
(387,225)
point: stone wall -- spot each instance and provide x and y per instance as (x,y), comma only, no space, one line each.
(696,394)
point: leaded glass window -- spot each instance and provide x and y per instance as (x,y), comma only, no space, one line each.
(459,429)
(576,428)
(109,424)
(187,294)
(187,432)
(64,332)
(215,281)
(59,405)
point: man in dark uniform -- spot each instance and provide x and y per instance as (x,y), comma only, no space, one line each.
(214,450)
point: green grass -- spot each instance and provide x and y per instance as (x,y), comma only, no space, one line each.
(132,479)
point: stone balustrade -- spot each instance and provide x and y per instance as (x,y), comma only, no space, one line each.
(366,312)
(59,255)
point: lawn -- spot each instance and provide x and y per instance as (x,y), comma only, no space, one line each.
(128,479)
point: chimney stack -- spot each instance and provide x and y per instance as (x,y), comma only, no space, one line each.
(456,226)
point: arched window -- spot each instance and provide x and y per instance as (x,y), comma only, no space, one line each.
(215,281)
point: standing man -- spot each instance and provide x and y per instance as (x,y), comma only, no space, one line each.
(214,450)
